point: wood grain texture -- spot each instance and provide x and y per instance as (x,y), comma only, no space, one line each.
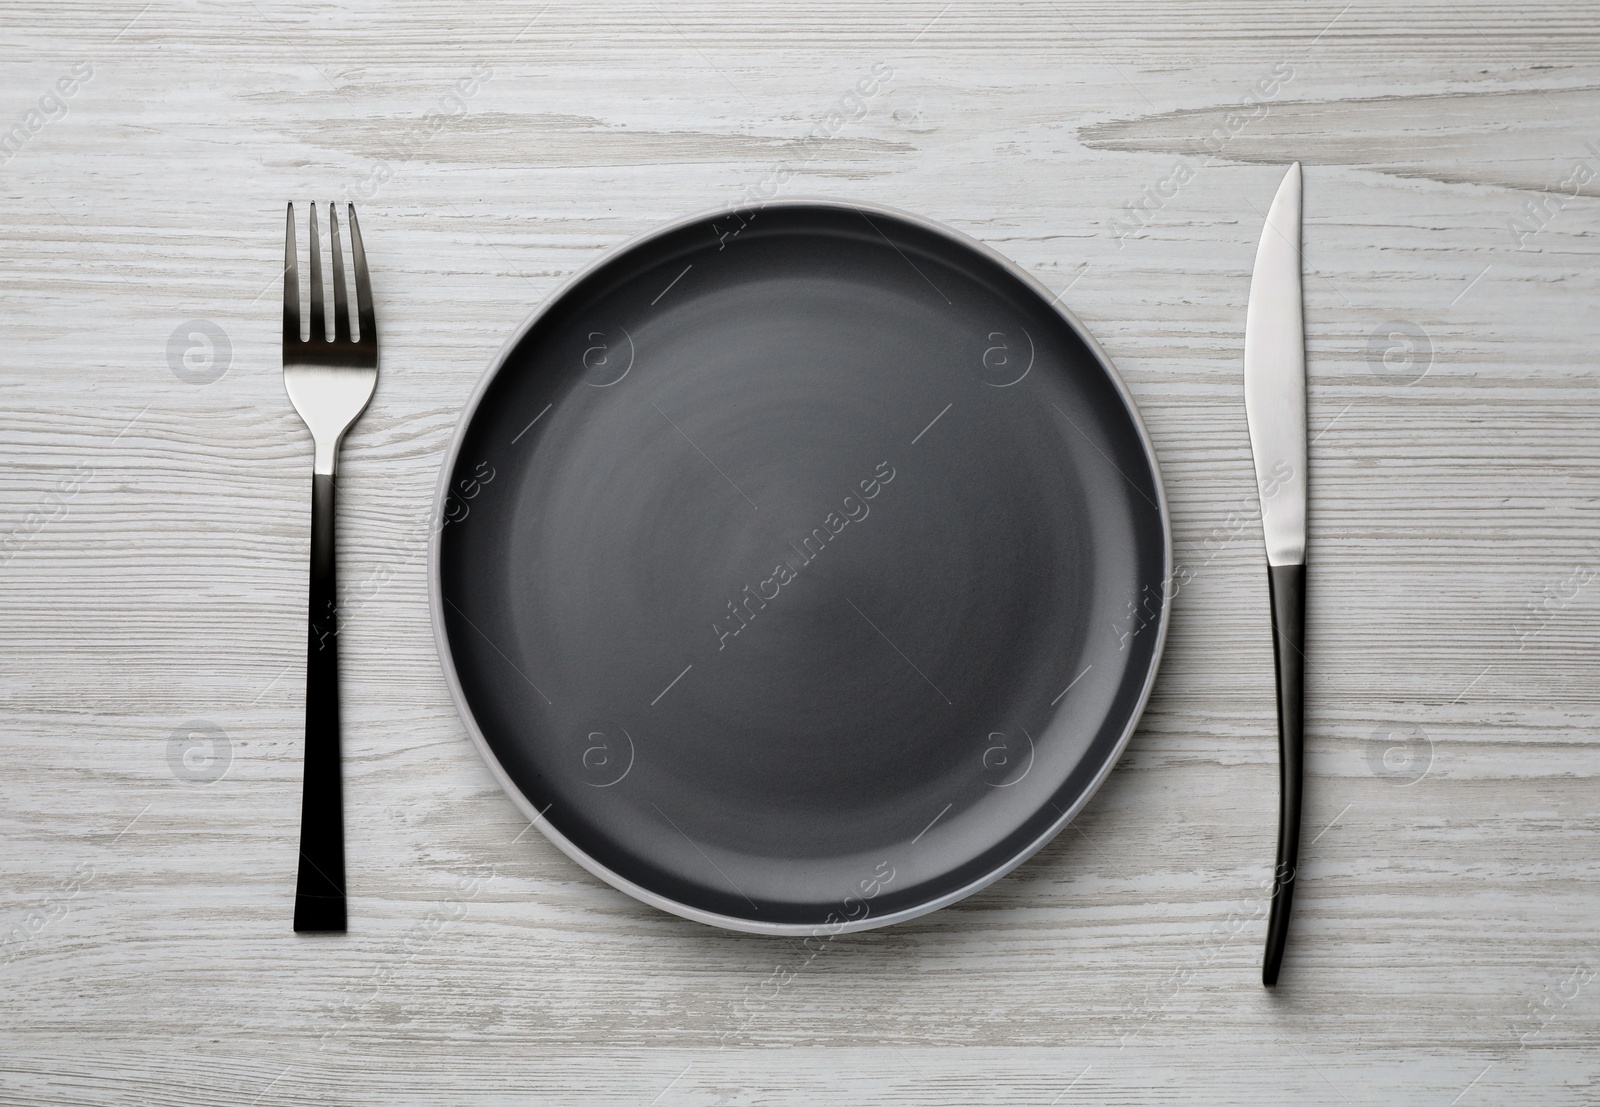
(1446,942)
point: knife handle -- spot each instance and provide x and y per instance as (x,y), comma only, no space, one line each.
(319,901)
(1287,587)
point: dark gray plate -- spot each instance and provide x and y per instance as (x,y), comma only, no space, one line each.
(801,568)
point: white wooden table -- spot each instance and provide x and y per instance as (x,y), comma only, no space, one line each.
(153,532)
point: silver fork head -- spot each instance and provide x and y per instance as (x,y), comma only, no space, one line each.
(329,380)
(319,349)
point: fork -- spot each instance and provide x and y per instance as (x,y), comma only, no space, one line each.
(330,382)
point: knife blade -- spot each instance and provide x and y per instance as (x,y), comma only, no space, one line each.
(1275,407)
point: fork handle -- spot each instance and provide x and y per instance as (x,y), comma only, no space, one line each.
(1287,586)
(319,902)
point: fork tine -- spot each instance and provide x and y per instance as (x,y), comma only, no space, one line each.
(358,254)
(291,285)
(319,323)
(341,309)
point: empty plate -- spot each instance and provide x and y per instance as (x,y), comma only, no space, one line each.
(800,568)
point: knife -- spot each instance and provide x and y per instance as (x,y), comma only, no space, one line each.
(1275,406)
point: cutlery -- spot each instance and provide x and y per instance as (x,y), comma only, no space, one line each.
(1275,406)
(330,382)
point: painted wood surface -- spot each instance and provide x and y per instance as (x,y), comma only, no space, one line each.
(153,533)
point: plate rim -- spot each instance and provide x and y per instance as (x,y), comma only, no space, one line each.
(655,899)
